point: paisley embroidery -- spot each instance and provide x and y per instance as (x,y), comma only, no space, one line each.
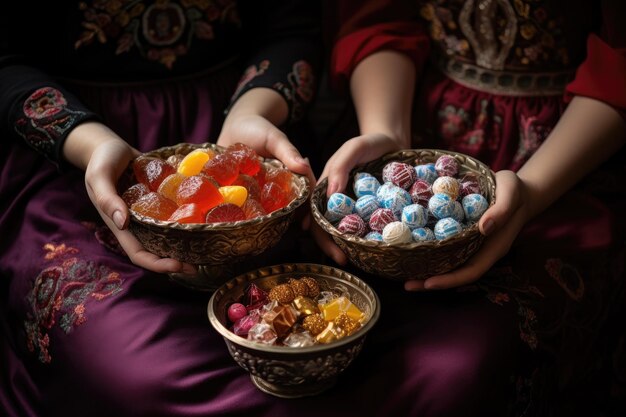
(45,119)
(466,134)
(161,31)
(60,293)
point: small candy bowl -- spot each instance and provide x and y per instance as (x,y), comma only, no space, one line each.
(412,260)
(286,371)
(214,247)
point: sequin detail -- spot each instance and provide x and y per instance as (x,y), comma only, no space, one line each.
(60,293)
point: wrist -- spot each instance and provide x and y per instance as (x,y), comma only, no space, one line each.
(263,102)
(83,140)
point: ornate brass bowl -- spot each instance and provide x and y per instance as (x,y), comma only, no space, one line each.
(416,260)
(285,371)
(214,247)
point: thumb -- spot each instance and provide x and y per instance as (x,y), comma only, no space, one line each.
(281,148)
(506,201)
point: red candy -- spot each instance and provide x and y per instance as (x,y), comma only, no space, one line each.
(226,212)
(353,224)
(250,184)
(252,208)
(446,166)
(236,311)
(400,174)
(151,171)
(154,205)
(380,218)
(198,189)
(134,193)
(254,297)
(244,324)
(421,192)
(223,167)
(187,213)
(281,177)
(246,158)
(273,197)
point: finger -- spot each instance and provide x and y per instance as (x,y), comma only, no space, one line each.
(507,189)
(102,191)
(414,285)
(281,148)
(327,245)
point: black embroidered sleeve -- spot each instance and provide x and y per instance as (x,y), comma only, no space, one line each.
(34,107)
(284,50)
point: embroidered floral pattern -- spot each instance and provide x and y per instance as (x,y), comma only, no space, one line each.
(161,31)
(45,119)
(567,276)
(537,38)
(465,133)
(60,293)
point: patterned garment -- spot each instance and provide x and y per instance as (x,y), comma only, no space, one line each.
(492,87)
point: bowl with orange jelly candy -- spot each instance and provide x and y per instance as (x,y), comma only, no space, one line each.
(210,206)
(294,327)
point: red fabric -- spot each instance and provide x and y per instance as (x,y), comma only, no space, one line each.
(602,75)
(406,37)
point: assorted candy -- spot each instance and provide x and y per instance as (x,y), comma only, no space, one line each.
(295,313)
(205,186)
(425,202)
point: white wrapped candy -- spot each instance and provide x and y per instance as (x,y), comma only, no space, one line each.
(446,228)
(474,206)
(396,233)
(414,215)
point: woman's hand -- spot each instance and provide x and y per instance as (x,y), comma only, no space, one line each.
(104,156)
(501,224)
(355,151)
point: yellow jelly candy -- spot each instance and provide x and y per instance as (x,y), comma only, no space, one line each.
(235,194)
(194,161)
(340,305)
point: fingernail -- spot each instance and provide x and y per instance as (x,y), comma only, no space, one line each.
(332,188)
(118,219)
(488,226)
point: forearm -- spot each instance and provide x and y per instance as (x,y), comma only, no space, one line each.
(263,102)
(83,140)
(587,134)
(382,87)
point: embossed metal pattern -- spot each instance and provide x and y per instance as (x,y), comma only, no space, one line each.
(217,243)
(293,372)
(416,260)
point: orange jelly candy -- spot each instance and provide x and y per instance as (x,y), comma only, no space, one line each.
(260,176)
(200,190)
(192,163)
(187,213)
(222,167)
(151,171)
(246,157)
(154,205)
(273,197)
(134,193)
(253,209)
(225,212)
(170,184)
(235,194)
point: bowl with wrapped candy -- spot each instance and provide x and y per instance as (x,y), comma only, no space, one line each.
(210,206)
(410,214)
(294,327)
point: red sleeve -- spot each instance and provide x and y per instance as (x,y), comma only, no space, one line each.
(406,37)
(602,75)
